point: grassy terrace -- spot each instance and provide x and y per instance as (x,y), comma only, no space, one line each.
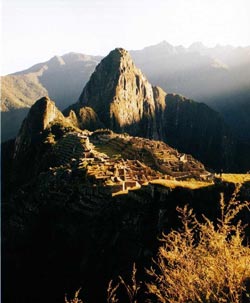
(108,150)
(192,184)
(69,147)
(235,178)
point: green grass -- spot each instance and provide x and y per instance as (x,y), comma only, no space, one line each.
(108,150)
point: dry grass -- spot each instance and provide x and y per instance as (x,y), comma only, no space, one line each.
(192,184)
(131,289)
(236,178)
(214,269)
(75,299)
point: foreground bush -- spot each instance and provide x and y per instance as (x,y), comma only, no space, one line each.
(203,262)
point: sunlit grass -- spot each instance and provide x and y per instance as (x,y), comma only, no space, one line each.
(108,150)
(235,178)
(192,184)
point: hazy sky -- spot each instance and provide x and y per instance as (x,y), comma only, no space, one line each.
(35,30)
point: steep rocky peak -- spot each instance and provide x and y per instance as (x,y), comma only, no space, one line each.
(41,114)
(117,61)
(123,57)
(118,92)
(120,56)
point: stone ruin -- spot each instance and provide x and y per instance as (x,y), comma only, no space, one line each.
(141,161)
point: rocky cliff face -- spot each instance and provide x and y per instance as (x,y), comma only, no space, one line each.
(195,128)
(41,114)
(120,95)
(123,100)
(32,146)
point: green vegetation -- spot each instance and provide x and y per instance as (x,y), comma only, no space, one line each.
(108,150)
(20,91)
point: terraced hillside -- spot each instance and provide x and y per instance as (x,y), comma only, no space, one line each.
(71,146)
(154,154)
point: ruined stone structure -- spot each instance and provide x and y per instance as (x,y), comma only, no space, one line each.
(118,163)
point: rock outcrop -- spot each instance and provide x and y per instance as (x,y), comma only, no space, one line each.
(32,147)
(41,114)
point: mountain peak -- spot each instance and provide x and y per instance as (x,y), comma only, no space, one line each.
(118,93)
(197,46)
(56,60)
(41,114)
(120,50)
(118,57)
(43,100)
(165,44)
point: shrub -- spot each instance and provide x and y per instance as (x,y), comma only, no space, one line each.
(131,290)
(75,299)
(203,262)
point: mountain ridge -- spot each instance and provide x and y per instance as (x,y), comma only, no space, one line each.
(47,139)
(175,72)
(145,116)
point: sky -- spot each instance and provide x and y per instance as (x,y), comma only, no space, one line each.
(33,31)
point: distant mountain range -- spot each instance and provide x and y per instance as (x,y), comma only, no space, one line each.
(219,77)
(62,78)
(216,76)
(119,97)
(197,72)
